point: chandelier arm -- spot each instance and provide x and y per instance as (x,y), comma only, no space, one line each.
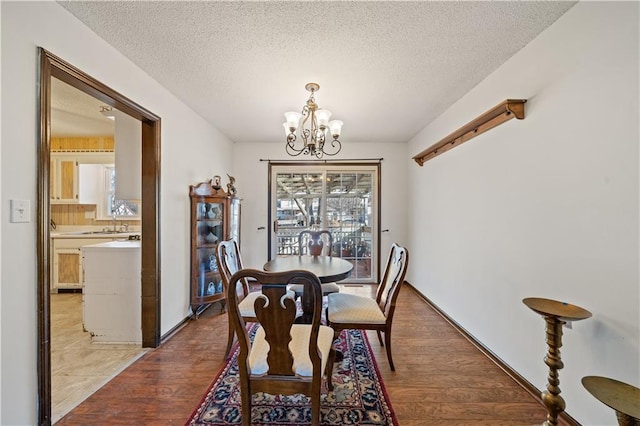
(306,136)
(334,143)
(293,151)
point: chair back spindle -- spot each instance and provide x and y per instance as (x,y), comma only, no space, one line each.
(315,243)
(393,276)
(276,313)
(230,262)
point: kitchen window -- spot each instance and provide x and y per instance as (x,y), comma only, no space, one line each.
(115,207)
(112,206)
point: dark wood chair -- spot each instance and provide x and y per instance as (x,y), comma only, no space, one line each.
(349,311)
(316,243)
(230,262)
(284,358)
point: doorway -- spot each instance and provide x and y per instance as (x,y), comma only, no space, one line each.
(341,198)
(52,66)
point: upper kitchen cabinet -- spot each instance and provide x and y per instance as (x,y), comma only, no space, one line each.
(65,176)
(128,156)
(215,216)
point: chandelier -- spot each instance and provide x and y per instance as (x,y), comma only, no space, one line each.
(313,127)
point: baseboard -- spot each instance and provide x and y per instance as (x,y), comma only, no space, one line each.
(169,334)
(520,380)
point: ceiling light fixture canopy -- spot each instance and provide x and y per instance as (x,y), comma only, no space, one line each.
(313,126)
(107,111)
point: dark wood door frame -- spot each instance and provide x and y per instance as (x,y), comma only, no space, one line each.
(52,66)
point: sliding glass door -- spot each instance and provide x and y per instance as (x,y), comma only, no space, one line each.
(340,198)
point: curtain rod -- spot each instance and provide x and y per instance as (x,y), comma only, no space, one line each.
(324,161)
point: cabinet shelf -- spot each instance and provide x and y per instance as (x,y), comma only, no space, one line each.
(212,245)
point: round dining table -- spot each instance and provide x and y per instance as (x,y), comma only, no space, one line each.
(326,268)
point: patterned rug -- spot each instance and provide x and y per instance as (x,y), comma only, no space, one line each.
(359,396)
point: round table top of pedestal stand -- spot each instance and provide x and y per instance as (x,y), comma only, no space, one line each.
(620,396)
(553,308)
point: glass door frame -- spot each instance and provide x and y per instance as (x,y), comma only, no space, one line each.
(328,167)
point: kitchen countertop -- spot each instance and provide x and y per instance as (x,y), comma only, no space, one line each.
(94,234)
(114,245)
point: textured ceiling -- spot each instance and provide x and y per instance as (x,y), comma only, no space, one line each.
(74,113)
(385,68)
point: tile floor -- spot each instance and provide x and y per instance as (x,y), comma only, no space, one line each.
(79,367)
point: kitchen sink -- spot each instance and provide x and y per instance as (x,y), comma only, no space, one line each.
(109,232)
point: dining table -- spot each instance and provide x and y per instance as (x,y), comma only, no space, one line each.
(326,268)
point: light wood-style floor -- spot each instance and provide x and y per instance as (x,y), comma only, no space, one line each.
(440,377)
(79,367)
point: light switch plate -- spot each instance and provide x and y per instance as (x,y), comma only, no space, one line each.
(20,211)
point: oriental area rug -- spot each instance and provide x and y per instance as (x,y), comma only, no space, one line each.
(359,396)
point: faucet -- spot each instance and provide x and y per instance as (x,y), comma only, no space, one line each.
(114,223)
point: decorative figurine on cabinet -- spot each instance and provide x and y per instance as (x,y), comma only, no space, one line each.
(216,182)
(231,188)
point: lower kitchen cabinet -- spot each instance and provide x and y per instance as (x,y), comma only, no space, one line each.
(66,265)
(112,292)
(66,270)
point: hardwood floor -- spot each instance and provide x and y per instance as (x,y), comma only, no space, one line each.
(440,377)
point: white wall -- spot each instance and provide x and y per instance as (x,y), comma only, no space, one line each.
(543,207)
(191,151)
(2,219)
(251,182)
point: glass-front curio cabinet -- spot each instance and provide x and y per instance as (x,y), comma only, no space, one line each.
(215,216)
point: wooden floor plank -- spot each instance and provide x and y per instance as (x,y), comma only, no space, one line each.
(441,379)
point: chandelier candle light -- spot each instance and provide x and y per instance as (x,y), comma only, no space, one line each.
(313,126)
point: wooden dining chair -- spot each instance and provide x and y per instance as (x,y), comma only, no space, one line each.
(230,262)
(316,243)
(350,311)
(283,358)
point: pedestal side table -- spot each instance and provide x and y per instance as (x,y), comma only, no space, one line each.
(555,314)
(623,398)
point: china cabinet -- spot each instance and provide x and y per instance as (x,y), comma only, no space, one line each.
(215,216)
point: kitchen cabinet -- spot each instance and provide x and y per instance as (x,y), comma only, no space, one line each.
(215,216)
(128,157)
(67,270)
(64,179)
(112,292)
(64,173)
